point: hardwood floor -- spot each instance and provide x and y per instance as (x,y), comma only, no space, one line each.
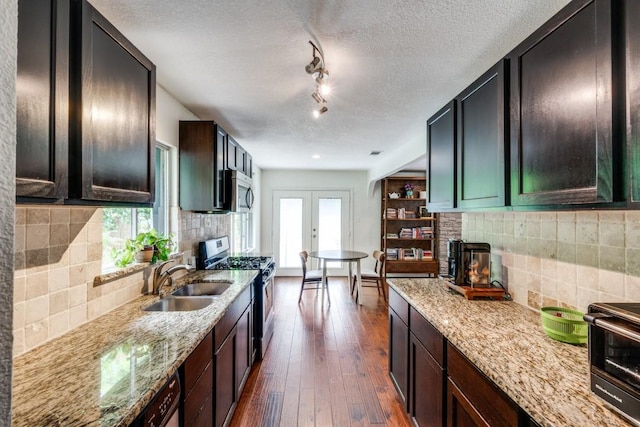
(326,365)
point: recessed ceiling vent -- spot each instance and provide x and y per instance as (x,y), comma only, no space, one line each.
(375,153)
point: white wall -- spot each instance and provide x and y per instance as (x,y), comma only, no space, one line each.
(169,111)
(8,52)
(365,207)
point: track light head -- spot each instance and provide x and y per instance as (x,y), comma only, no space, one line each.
(317,113)
(313,66)
(319,99)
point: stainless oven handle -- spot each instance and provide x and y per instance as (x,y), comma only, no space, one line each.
(599,320)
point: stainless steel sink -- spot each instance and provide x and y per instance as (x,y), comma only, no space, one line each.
(180,304)
(202,288)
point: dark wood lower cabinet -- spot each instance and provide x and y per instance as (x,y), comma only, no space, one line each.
(196,376)
(225,388)
(473,397)
(233,350)
(244,352)
(399,344)
(427,387)
(461,412)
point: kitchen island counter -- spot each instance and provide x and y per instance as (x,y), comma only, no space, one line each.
(546,378)
(105,372)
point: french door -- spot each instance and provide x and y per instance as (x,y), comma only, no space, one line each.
(311,221)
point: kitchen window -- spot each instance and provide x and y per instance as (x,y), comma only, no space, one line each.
(120,224)
(242,236)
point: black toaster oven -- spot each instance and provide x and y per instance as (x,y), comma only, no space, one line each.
(614,355)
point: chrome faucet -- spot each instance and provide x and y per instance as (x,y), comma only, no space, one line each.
(161,278)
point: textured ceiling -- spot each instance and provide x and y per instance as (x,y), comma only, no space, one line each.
(392,64)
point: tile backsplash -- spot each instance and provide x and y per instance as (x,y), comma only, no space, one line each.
(562,258)
(58,253)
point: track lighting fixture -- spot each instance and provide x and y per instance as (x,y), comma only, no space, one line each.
(321,76)
(318,112)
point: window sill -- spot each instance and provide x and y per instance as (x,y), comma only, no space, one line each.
(119,273)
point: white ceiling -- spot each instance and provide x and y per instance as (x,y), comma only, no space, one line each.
(392,63)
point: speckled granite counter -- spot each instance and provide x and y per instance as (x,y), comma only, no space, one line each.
(105,372)
(547,378)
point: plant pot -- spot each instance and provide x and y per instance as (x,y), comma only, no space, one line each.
(145,254)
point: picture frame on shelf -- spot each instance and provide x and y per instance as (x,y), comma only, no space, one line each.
(424,213)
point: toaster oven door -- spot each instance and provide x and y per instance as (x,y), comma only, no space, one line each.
(614,355)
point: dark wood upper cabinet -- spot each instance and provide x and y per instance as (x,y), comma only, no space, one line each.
(481,137)
(85,109)
(201,165)
(562,109)
(248,164)
(42,90)
(399,345)
(113,128)
(232,154)
(632,65)
(441,157)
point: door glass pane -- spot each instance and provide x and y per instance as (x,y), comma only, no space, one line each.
(330,226)
(290,232)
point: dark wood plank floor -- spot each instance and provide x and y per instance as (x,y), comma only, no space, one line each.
(326,365)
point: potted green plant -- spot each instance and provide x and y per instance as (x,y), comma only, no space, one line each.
(149,246)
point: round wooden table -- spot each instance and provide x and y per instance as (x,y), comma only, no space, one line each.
(342,256)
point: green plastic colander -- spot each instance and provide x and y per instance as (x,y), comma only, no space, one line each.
(564,325)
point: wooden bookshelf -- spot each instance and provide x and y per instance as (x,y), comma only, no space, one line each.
(408,239)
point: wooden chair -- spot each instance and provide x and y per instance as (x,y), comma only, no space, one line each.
(311,276)
(377,275)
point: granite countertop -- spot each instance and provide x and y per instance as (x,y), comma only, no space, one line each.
(105,372)
(547,378)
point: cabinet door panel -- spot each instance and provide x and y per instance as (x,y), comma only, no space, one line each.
(244,352)
(441,154)
(232,153)
(632,36)
(398,355)
(561,109)
(225,389)
(117,87)
(461,411)
(487,399)
(427,387)
(42,99)
(481,141)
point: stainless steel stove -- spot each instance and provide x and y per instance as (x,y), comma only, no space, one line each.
(214,255)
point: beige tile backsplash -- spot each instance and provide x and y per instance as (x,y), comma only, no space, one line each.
(58,252)
(562,258)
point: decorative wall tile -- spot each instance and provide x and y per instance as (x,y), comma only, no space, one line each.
(58,253)
(573,258)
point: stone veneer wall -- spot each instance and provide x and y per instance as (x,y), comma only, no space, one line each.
(449,227)
(196,227)
(562,258)
(58,253)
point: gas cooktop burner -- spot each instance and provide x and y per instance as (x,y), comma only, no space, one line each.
(242,263)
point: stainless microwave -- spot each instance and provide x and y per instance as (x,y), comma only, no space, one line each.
(614,355)
(240,194)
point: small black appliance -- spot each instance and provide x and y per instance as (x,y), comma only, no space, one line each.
(614,356)
(469,264)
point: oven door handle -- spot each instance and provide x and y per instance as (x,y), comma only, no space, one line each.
(600,320)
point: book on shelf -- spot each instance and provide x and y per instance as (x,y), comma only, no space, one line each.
(416,233)
(392,235)
(391,213)
(408,254)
